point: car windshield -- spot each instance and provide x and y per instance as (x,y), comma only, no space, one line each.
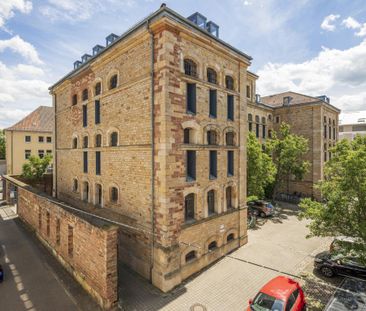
(264,302)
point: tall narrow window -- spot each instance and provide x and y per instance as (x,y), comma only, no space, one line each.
(230,107)
(269,133)
(191,165)
(98,88)
(229,82)
(213,104)
(75,185)
(98,140)
(74,143)
(211,137)
(27,154)
(98,195)
(97,163)
(325,131)
(114,139)
(191,98)
(248,91)
(74,99)
(211,75)
(211,202)
(229,200)
(250,120)
(39,218)
(230,163)
(85,142)
(86,191)
(113,82)
(58,231)
(85,116)
(97,112)
(85,94)
(85,161)
(334,133)
(263,131)
(190,68)
(229,136)
(189,207)
(70,240)
(114,194)
(213,164)
(330,132)
(257,130)
(48,219)
(187,136)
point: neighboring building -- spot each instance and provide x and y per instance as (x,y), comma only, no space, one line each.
(312,117)
(150,130)
(349,131)
(30,136)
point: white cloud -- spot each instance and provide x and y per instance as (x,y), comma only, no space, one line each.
(72,11)
(340,74)
(21,47)
(352,23)
(8,7)
(327,22)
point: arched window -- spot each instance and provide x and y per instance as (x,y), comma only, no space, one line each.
(114,139)
(211,137)
(114,194)
(250,117)
(230,237)
(85,142)
(229,198)
(98,88)
(86,191)
(191,256)
(229,82)
(75,99)
(74,143)
(263,120)
(187,136)
(212,246)
(85,94)
(189,207)
(211,202)
(333,122)
(98,140)
(269,133)
(98,195)
(113,81)
(257,119)
(75,185)
(211,75)
(190,68)
(269,117)
(229,138)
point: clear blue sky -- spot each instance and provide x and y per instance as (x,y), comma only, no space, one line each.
(311,46)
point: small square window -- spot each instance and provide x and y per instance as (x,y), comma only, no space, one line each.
(49,139)
(41,153)
(27,154)
(40,139)
(28,139)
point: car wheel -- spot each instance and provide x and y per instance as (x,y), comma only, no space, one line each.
(262,214)
(326,271)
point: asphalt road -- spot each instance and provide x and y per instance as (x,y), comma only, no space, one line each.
(34,280)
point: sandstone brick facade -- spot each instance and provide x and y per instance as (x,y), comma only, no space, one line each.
(148,164)
(85,246)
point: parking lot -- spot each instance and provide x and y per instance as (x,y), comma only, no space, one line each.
(276,246)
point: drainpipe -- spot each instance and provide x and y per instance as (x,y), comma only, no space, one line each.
(152,97)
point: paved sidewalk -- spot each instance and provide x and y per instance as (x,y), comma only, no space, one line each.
(34,280)
(279,243)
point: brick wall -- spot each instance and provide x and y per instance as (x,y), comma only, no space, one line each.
(87,248)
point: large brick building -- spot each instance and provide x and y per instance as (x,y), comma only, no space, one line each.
(312,117)
(150,131)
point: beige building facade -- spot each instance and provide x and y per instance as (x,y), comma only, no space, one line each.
(349,131)
(33,135)
(151,132)
(311,117)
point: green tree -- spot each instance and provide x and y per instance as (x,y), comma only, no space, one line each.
(260,169)
(35,167)
(288,151)
(343,209)
(2,144)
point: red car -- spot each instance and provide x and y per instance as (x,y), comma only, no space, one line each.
(279,294)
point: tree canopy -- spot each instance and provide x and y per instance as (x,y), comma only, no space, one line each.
(260,168)
(2,144)
(343,210)
(35,167)
(288,151)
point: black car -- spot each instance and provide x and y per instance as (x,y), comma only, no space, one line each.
(332,264)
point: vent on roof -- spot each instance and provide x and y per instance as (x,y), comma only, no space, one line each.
(110,39)
(85,58)
(287,100)
(97,49)
(77,64)
(258,99)
(324,98)
(201,21)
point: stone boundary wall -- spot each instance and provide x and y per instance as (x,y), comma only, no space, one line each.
(85,246)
